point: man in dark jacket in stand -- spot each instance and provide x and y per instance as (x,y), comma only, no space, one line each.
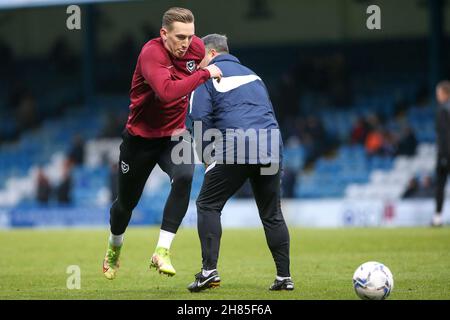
(443,145)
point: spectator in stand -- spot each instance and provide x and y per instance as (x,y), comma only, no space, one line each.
(76,152)
(314,139)
(359,131)
(423,187)
(408,143)
(373,122)
(443,144)
(427,187)
(374,142)
(64,190)
(389,144)
(413,186)
(43,187)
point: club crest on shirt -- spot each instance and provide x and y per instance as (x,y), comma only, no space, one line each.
(190,65)
(125,167)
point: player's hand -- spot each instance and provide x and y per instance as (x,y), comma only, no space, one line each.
(214,71)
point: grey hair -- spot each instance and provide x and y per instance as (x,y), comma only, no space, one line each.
(217,42)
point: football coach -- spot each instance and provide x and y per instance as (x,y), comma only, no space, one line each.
(239,108)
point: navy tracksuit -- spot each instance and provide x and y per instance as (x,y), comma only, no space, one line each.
(239,102)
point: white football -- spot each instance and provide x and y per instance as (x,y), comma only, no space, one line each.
(373,281)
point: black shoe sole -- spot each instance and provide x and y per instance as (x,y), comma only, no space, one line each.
(283,289)
(211,285)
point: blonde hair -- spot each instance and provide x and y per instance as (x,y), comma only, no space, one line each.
(177,14)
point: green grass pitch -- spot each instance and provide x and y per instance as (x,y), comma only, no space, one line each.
(33,264)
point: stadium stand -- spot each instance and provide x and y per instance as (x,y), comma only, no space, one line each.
(350,172)
(327,102)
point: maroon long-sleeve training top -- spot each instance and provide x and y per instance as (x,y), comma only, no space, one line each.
(160,88)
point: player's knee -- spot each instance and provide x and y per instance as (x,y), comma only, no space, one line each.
(273,219)
(203,206)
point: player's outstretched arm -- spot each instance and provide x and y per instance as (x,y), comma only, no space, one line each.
(158,76)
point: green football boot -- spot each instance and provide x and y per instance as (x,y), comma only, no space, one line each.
(161,262)
(111,262)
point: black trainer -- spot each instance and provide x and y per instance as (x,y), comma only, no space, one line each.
(202,283)
(278,285)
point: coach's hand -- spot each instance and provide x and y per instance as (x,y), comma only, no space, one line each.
(214,71)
